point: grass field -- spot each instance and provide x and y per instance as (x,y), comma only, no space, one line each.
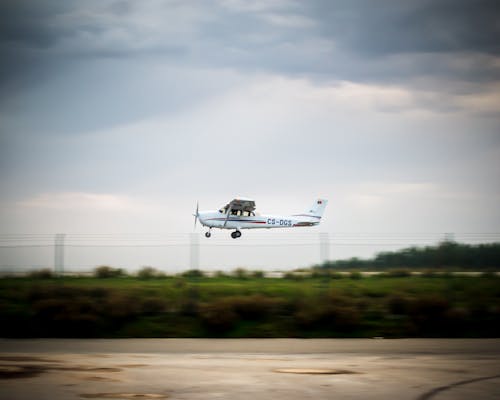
(335,306)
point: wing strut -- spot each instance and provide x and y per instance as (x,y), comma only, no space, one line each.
(229,209)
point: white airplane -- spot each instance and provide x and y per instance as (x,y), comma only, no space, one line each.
(240,214)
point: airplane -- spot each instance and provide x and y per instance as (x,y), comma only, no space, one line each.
(240,214)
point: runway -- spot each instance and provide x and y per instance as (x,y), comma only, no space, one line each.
(288,369)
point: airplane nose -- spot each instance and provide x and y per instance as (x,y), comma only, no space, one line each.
(201,217)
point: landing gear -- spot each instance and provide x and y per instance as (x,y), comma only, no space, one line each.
(235,234)
(208,234)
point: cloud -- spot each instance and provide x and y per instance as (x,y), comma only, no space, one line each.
(388,27)
(487,102)
(81,202)
(321,40)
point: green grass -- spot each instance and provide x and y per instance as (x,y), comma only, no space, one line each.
(389,306)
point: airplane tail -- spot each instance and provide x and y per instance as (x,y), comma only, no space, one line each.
(318,208)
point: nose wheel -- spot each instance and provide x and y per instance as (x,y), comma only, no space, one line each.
(208,234)
(235,234)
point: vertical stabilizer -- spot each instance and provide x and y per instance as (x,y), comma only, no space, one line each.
(318,208)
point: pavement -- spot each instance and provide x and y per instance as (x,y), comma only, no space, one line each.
(288,369)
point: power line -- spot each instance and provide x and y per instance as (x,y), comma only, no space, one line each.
(169,248)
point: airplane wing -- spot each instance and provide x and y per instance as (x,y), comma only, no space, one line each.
(241,204)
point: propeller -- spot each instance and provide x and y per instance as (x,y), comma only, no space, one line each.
(196,215)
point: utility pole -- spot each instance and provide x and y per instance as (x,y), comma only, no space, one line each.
(59,254)
(449,237)
(324,247)
(195,251)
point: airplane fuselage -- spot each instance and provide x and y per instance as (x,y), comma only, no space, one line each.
(216,219)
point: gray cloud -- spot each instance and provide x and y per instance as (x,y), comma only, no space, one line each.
(344,40)
(389,27)
(26,23)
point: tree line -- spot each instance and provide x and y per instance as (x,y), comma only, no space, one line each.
(446,255)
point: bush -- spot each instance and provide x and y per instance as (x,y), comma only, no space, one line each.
(240,273)
(428,313)
(336,275)
(257,274)
(120,307)
(253,307)
(397,273)
(60,317)
(293,276)
(320,273)
(333,317)
(41,274)
(193,273)
(429,273)
(189,302)
(149,273)
(153,305)
(108,272)
(398,304)
(218,316)
(355,275)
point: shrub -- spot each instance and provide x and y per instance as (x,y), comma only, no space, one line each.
(193,273)
(41,274)
(320,273)
(120,306)
(189,302)
(428,313)
(108,272)
(257,274)
(149,273)
(397,273)
(252,307)
(179,283)
(293,276)
(240,273)
(398,304)
(355,275)
(220,274)
(153,305)
(429,273)
(218,316)
(60,317)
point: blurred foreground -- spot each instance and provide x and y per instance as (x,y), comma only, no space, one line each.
(250,369)
(323,305)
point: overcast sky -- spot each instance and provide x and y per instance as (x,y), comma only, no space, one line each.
(117,116)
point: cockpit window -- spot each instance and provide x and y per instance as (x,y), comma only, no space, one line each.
(238,212)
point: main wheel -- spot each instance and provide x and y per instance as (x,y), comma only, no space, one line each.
(235,234)
(208,234)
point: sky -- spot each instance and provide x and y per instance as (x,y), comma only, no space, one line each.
(119,116)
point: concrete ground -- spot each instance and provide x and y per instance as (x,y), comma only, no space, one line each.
(250,369)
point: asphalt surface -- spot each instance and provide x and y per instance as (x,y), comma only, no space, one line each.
(288,369)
